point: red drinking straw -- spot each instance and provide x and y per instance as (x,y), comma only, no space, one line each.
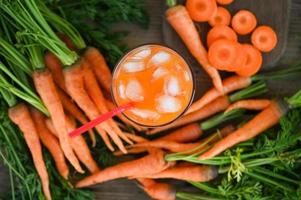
(100,119)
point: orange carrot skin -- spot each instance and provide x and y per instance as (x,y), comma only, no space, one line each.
(46,89)
(67,41)
(160,191)
(217,105)
(230,84)
(55,67)
(149,164)
(250,104)
(20,115)
(197,173)
(261,122)
(50,142)
(180,20)
(100,67)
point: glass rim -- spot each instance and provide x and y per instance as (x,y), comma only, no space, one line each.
(192,93)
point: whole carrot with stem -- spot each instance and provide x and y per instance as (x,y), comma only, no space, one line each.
(179,19)
(250,104)
(217,105)
(50,142)
(234,83)
(20,115)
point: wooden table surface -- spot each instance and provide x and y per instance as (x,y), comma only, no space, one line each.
(128,190)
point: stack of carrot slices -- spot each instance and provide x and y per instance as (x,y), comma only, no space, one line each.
(224,50)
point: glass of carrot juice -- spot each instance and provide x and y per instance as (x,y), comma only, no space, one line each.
(157,80)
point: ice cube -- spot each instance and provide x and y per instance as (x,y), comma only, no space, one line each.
(145,114)
(133,66)
(160,57)
(172,86)
(121,90)
(168,104)
(144,53)
(134,91)
(159,72)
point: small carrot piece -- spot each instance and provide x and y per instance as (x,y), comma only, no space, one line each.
(75,87)
(201,10)
(100,67)
(96,95)
(159,191)
(20,115)
(261,122)
(72,109)
(54,65)
(217,105)
(231,84)
(221,17)
(180,20)
(264,38)
(197,173)
(50,142)
(250,104)
(224,2)
(46,89)
(244,22)
(253,62)
(221,32)
(149,164)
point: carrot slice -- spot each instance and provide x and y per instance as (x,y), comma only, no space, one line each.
(253,62)
(264,38)
(224,2)
(221,17)
(201,10)
(221,32)
(244,22)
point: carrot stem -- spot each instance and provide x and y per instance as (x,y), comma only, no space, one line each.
(171,3)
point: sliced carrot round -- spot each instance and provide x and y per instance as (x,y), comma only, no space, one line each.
(241,58)
(222,54)
(201,10)
(264,38)
(224,2)
(221,32)
(253,63)
(244,22)
(221,17)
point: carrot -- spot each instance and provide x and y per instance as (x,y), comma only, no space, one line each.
(231,84)
(201,10)
(46,89)
(217,105)
(50,142)
(180,20)
(136,138)
(221,32)
(75,87)
(96,95)
(54,65)
(20,115)
(226,55)
(221,17)
(261,122)
(197,173)
(253,63)
(149,164)
(264,38)
(224,2)
(72,109)
(159,191)
(244,22)
(67,41)
(250,104)
(111,106)
(100,67)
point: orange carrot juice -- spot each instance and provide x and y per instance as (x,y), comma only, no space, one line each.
(157,80)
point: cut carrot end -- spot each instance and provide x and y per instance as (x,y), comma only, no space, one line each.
(264,38)
(201,10)
(244,22)
(221,32)
(222,17)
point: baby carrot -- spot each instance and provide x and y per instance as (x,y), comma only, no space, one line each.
(20,115)
(180,20)
(221,32)
(244,22)
(201,10)
(264,38)
(250,104)
(221,17)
